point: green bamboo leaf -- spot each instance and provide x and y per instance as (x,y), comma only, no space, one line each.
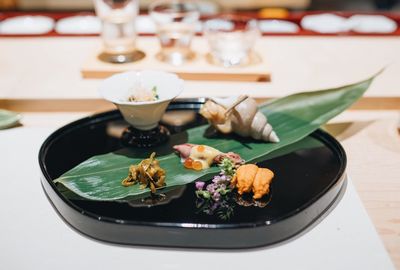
(293,117)
(8,119)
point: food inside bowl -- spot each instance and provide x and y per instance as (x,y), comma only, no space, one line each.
(143,94)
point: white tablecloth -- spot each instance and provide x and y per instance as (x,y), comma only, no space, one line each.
(33,236)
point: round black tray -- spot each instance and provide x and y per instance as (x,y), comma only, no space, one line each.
(308,181)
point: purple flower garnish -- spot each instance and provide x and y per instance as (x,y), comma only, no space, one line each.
(211,188)
(216,179)
(216,196)
(218,187)
(213,198)
(199,185)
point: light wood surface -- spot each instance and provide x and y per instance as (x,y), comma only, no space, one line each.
(372,144)
(8,4)
(41,78)
(198,69)
(97,104)
(49,69)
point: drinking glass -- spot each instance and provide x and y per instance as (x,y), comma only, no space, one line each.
(118,30)
(231,39)
(176,21)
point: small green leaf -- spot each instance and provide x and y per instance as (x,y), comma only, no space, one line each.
(8,119)
(206,195)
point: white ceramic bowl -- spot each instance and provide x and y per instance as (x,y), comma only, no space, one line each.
(142,115)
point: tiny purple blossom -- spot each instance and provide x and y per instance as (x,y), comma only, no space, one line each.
(216,179)
(199,185)
(216,196)
(211,188)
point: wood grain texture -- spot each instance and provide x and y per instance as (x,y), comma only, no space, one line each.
(49,68)
(97,104)
(372,144)
(199,68)
(374,155)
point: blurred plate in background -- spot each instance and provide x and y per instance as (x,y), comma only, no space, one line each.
(79,25)
(278,26)
(27,25)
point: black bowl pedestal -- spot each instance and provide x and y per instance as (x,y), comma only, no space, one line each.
(145,138)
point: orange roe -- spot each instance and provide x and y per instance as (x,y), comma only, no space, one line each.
(188,163)
(197,166)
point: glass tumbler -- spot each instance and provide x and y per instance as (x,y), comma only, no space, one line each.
(231,39)
(176,22)
(118,30)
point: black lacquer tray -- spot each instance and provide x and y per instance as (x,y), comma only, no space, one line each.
(307,183)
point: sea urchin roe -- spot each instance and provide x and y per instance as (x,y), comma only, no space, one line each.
(250,177)
(261,182)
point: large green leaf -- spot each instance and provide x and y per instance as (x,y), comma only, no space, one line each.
(293,118)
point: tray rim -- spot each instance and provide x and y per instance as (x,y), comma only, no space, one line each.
(182,104)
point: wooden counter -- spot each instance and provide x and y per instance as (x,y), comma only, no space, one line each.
(41,78)
(41,69)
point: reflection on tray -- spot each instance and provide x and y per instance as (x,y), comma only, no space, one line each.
(164,197)
(224,208)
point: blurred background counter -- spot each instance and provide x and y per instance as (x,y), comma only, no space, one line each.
(33,70)
(224,4)
(41,77)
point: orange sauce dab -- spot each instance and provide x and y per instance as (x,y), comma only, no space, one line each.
(200,148)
